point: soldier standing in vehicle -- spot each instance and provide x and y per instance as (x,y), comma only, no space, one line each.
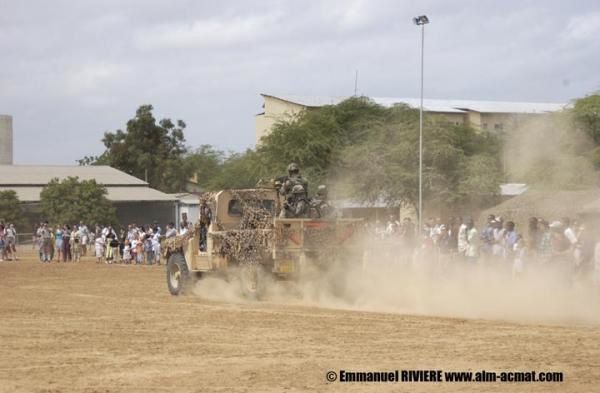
(288,183)
(296,205)
(205,220)
(293,178)
(320,207)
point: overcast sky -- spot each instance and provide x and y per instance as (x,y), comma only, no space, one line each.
(71,70)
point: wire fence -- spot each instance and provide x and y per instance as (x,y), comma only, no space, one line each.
(25,239)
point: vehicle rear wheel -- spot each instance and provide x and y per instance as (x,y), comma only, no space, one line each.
(178,276)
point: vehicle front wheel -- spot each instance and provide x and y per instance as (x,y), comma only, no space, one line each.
(178,275)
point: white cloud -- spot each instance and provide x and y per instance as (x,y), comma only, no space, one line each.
(224,31)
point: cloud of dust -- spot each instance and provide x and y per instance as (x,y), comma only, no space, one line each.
(457,288)
(548,151)
(543,151)
(451,287)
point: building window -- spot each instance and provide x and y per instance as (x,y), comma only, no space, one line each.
(484,126)
(498,126)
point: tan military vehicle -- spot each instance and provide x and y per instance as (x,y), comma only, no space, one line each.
(248,242)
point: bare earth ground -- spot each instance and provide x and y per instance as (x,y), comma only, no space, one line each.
(107,328)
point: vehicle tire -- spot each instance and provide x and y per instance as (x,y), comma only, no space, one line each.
(178,276)
(251,280)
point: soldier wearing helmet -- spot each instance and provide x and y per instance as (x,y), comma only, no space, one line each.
(288,185)
(319,206)
(293,178)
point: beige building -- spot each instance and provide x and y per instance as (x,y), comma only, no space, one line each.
(490,115)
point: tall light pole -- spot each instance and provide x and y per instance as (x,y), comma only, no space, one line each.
(421,21)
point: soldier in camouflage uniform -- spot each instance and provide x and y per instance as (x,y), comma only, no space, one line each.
(296,205)
(319,205)
(205,220)
(295,189)
(293,178)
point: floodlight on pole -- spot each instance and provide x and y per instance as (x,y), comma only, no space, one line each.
(421,20)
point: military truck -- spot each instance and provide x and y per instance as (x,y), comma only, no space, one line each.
(247,243)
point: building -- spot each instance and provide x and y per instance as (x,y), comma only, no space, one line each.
(6,140)
(188,207)
(490,115)
(133,199)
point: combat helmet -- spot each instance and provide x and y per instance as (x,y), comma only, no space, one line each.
(293,169)
(322,190)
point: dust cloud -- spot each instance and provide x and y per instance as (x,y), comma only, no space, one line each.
(548,152)
(543,293)
(542,151)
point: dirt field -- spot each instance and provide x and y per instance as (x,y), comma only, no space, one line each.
(107,328)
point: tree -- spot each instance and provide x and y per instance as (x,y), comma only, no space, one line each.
(240,170)
(316,137)
(586,113)
(71,200)
(370,152)
(458,162)
(205,163)
(10,207)
(147,150)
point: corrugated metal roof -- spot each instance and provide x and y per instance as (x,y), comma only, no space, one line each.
(115,194)
(435,105)
(39,175)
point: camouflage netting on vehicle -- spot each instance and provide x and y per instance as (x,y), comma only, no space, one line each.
(251,242)
(176,243)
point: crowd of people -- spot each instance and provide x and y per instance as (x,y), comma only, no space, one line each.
(564,243)
(136,244)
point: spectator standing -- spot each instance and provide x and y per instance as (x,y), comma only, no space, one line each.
(171,231)
(462,239)
(156,247)
(473,239)
(11,241)
(76,244)
(2,244)
(487,236)
(544,250)
(99,246)
(148,248)
(510,239)
(139,249)
(84,235)
(67,243)
(534,234)
(126,252)
(58,242)
(46,244)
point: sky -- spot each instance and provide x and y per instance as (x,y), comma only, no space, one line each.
(72,70)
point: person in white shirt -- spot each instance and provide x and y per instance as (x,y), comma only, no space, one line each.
(462,239)
(571,236)
(127,253)
(156,247)
(99,244)
(84,236)
(473,240)
(171,231)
